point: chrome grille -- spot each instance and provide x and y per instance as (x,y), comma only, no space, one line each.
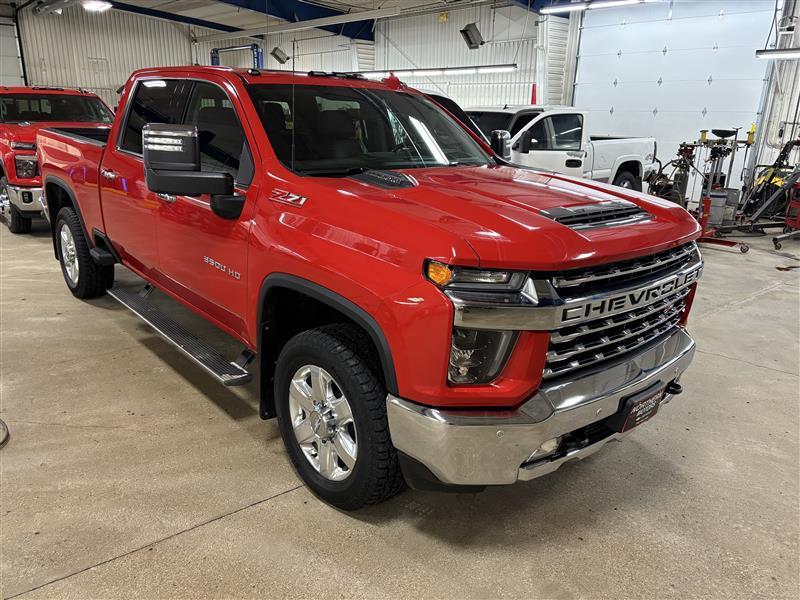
(580,282)
(579,346)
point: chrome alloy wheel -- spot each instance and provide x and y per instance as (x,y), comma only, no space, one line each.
(323,422)
(69,255)
(5,203)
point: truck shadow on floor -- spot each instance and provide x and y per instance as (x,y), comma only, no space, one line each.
(622,480)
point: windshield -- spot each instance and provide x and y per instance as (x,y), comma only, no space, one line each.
(338,131)
(16,108)
(490,121)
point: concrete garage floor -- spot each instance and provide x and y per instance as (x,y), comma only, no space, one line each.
(132,474)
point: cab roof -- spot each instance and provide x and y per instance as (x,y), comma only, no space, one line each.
(37,89)
(512,109)
(277,76)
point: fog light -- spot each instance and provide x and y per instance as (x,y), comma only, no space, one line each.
(545,449)
(477,355)
(27,197)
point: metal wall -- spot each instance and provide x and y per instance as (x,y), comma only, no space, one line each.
(98,51)
(314,50)
(433,40)
(670,69)
(780,121)
(10,65)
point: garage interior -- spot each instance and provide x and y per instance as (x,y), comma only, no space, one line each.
(129,472)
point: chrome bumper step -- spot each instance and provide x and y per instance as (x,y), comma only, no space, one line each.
(226,372)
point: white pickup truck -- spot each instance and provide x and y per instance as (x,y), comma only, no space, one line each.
(555,138)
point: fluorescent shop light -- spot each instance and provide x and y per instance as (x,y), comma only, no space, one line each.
(476,70)
(96,5)
(778,53)
(562,8)
(597,4)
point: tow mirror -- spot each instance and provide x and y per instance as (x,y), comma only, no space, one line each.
(501,143)
(172,166)
(525,142)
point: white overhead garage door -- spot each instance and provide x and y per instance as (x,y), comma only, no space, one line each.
(670,69)
(10,64)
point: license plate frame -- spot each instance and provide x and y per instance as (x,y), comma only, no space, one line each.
(638,408)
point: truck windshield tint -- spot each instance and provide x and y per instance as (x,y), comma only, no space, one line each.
(336,131)
(490,121)
(18,108)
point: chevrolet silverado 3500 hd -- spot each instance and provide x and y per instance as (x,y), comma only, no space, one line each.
(23,112)
(419,309)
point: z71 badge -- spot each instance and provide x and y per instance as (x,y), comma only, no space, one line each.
(287,197)
(218,265)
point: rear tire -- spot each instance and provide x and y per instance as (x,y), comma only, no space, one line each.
(17,223)
(373,473)
(627,180)
(84,278)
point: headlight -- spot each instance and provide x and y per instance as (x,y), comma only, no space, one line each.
(26,166)
(464,278)
(478,355)
(23,145)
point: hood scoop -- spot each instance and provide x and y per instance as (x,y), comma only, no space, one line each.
(388,180)
(611,213)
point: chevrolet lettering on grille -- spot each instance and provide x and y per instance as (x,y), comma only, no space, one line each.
(629,300)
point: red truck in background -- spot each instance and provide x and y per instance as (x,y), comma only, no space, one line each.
(23,112)
(420,310)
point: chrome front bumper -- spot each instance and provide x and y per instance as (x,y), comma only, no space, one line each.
(467,447)
(25,199)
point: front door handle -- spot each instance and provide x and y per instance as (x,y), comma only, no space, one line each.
(108,174)
(166,197)
(573,163)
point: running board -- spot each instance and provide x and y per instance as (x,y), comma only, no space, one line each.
(226,372)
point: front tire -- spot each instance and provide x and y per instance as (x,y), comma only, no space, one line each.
(629,181)
(84,278)
(331,410)
(16,221)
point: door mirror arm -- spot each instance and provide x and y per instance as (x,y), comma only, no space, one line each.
(227,206)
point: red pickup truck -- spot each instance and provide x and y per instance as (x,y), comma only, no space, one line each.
(419,309)
(23,112)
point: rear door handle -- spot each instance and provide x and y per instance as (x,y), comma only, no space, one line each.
(108,174)
(166,197)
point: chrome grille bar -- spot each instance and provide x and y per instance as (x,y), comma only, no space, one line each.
(639,331)
(656,261)
(628,345)
(559,336)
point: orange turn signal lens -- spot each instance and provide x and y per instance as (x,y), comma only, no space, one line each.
(439,274)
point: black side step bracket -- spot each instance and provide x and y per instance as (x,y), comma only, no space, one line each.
(226,372)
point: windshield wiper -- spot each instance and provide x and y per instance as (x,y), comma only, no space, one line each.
(335,172)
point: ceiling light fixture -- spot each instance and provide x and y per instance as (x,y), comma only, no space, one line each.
(597,4)
(778,53)
(96,5)
(474,70)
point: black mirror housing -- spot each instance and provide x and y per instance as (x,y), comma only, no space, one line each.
(501,143)
(188,183)
(171,156)
(525,142)
(170,147)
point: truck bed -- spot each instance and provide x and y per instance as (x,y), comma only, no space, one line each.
(97,135)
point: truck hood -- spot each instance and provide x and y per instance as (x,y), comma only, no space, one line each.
(498,212)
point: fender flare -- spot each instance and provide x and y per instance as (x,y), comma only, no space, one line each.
(52,179)
(341,304)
